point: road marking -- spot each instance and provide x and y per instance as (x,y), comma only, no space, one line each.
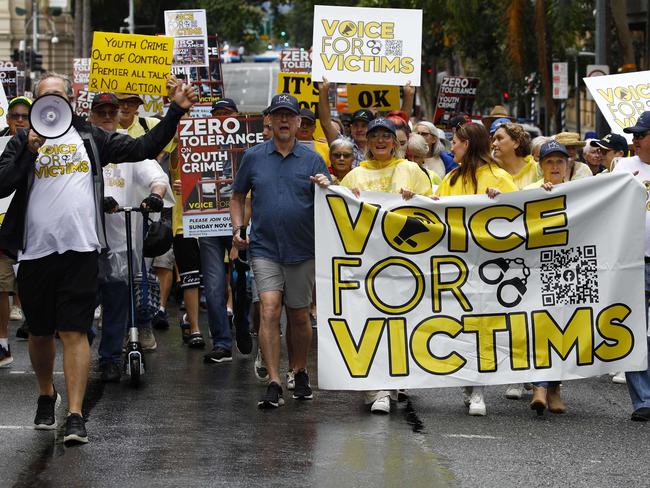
(470,436)
(31,372)
(14,427)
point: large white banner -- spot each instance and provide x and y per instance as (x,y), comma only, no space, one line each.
(531,286)
(377,46)
(621,98)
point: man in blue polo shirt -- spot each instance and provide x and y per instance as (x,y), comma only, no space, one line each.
(278,172)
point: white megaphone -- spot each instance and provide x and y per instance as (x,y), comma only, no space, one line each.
(50,116)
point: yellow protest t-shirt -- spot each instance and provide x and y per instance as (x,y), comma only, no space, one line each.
(324,150)
(136,130)
(530,173)
(177,211)
(388,177)
(534,186)
(487,176)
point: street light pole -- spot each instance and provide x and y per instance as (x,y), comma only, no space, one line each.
(601,55)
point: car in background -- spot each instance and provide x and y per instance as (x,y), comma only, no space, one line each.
(267,57)
(231,56)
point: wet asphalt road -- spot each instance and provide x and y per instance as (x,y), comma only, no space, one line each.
(197,424)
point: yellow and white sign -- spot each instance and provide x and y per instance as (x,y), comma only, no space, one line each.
(621,98)
(367,45)
(4,107)
(130,63)
(383,97)
(473,291)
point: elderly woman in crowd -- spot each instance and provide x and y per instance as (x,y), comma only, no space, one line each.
(433,161)
(416,151)
(341,157)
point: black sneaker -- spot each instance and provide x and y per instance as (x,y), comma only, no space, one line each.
(196,341)
(75,430)
(218,355)
(273,397)
(159,320)
(46,405)
(22,332)
(244,339)
(302,391)
(111,372)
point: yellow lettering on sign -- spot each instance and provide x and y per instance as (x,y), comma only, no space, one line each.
(354,234)
(425,332)
(358,356)
(578,333)
(610,326)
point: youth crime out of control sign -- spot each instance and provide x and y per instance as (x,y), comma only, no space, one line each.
(130,63)
(367,45)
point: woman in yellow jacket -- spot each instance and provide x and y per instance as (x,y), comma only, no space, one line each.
(477,174)
(511,145)
(383,171)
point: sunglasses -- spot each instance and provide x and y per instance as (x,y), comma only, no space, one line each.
(341,155)
(19,116)
(424,134)
(106,113)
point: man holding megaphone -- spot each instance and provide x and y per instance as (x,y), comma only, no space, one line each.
(55,227)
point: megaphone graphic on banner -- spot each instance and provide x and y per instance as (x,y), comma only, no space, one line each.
(50,116)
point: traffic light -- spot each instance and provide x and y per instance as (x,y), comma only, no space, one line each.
(28,57)
(37,61)
(506,97)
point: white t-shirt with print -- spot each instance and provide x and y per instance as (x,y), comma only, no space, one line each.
(630,165)
(61,206)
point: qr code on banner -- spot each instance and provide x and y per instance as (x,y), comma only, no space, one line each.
(393,48)
(569,276)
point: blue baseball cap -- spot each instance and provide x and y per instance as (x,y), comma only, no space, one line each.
(382,123)
(363,114)
(284,100)
(642,124)
(497,123)
(611,141)
(551,147)
(226,104)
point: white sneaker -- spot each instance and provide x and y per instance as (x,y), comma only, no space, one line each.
(619,378)
(515,392)
(381,405)
(261,373)
(147,339)
(98,313)
(467,393)
(291,380)
(16,313)
(476,402)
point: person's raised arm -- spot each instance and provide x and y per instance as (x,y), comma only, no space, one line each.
(324,114)
(409,98)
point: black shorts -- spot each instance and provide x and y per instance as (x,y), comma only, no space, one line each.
(58,292)
(188,261)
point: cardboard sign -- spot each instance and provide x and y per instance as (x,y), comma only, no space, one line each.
(300,86)
(8,78)
(383,97)
(367,45)
(456,94)
(190,33)
(524,289)
(621,98)
(208,80)
(295,60)
(130,63)
(209,153)
(82,97)
(4,107)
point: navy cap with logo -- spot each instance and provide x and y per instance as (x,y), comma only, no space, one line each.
(363,114)
(225,104)
(611,141)
(551,147)
(642,124)
(382,123)
(104,98)
(284,100)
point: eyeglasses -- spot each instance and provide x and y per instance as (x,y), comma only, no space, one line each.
(19,116)
(640,135)
(424,134)
(384,136)
(341,155)
(106,113)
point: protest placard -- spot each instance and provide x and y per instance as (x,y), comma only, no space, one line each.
(8,79)
(209,153)
(207,80)
(294,60)
(82,97)
(4,202)
(383,97)
(4,106)
(621,98)
(367,45)
(473,291)
(130,63)
(190,33)
(456,94)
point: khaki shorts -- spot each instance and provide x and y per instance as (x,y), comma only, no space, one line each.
(7,276)
(296,281)
(165,261)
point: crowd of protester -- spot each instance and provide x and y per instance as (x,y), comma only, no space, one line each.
(272,194)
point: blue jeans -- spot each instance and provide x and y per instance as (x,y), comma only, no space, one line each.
(638,382)
(213,250)
(547,384)
(114,297)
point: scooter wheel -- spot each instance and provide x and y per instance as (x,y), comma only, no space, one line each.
(134,364)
